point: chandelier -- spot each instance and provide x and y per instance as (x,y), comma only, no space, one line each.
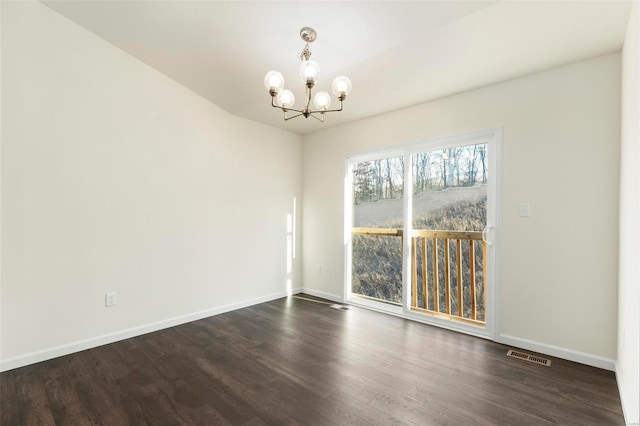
(283,99)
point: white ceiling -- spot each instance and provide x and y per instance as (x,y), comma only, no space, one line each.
(396,53)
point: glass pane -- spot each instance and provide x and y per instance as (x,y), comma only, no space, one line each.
(450,194)
(376,253)
(450,188)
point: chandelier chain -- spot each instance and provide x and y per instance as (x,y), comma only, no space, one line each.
(305,54)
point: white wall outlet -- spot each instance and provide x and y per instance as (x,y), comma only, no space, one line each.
(318,269)
(525,210)
(110,299)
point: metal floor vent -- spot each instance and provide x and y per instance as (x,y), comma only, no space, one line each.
(339,307)
(530,358)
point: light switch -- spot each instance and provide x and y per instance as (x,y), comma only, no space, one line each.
(525,210)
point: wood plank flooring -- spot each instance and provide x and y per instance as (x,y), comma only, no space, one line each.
(296,362)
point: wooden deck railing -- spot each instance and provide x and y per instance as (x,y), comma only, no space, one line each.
(463,262)
(436,256)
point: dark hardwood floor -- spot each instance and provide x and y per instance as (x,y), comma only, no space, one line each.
(293,361)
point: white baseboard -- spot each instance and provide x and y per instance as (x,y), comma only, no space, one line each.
(620,393)
(625,412)
(81,345)
(322,295)
(556,351)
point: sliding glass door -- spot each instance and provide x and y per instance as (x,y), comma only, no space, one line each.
(420,228)
(449,216)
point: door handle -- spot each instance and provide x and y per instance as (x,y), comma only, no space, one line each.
(485,235)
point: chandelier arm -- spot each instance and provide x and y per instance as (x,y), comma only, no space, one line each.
(327,110)
(319,119)
(289,109)
(273,104)
(284,109)
(289,118)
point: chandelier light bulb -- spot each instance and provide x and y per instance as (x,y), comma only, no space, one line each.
(274,81)
(322,101)
(309,70)
(341,86)
(285,98)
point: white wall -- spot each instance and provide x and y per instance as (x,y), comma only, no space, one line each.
(561,154)
(628,367)
(116,178)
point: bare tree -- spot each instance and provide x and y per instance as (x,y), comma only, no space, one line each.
(483,158)
(363,183)
(389,179)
